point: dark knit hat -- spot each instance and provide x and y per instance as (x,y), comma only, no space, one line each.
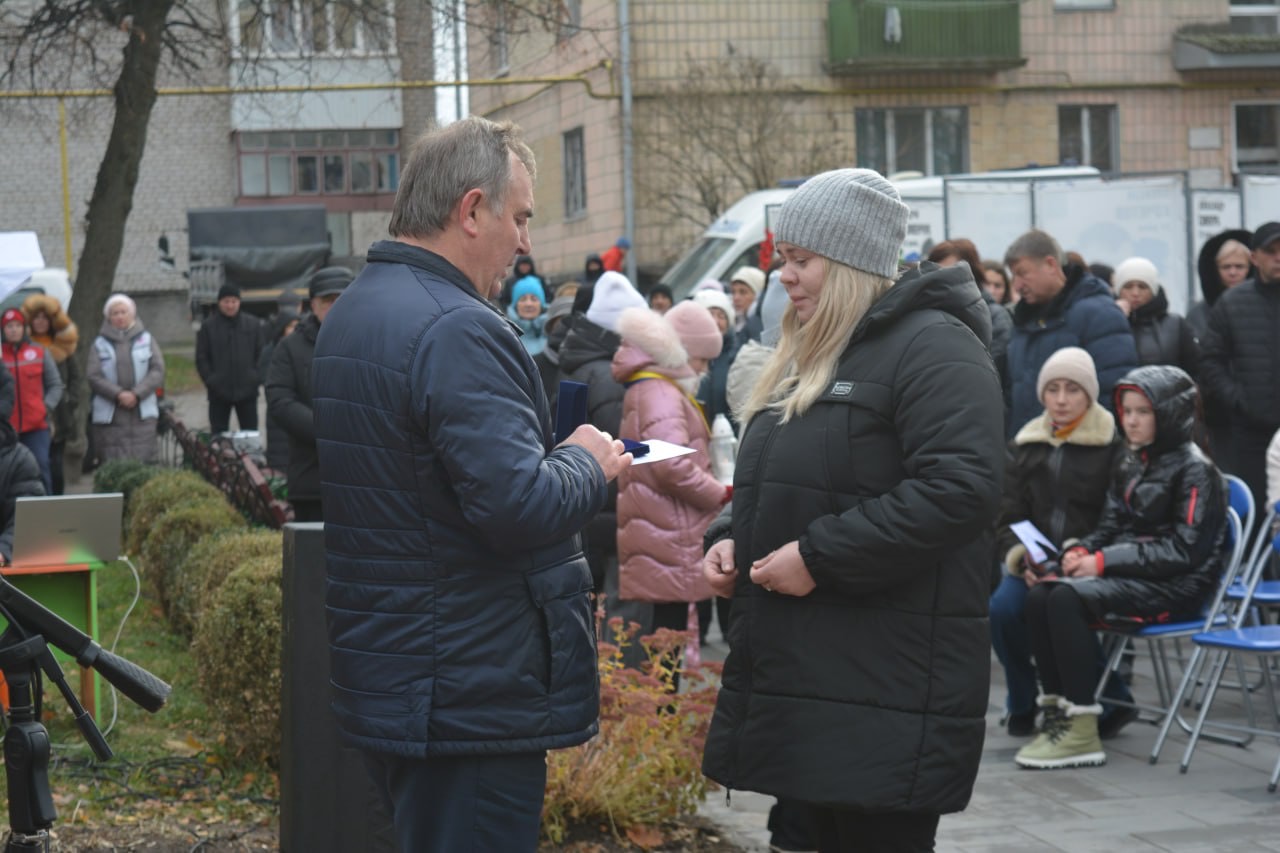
(228,289)
(852,216)
(329,280)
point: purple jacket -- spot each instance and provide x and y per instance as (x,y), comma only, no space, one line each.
(663,508)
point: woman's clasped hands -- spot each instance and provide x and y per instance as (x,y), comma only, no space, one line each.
(782,571)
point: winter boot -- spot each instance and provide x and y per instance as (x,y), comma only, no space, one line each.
(1049,707)
(1069,739)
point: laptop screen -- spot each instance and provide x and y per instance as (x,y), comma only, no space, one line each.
(64,529)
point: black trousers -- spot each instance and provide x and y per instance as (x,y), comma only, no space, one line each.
(842,831)
(471,803)
(220,413)
(1064,645)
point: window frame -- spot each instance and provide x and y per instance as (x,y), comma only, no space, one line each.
(302,25)
(1084,5)
(573,163)
(891,116)
(381,155)
(1086,140)
(1235,133)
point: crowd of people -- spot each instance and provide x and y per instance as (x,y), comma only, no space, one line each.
(893,423)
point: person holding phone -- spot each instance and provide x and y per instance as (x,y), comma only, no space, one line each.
(1059,466)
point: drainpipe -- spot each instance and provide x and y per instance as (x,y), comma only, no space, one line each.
(628,171)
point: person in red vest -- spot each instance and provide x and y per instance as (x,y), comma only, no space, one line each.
(37,389)
(616,255)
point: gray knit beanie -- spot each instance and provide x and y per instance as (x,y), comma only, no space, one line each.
(852,216)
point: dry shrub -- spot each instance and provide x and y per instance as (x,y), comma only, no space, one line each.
(175,533)
(157,496)
(208,564)
(237,657)
(645,766)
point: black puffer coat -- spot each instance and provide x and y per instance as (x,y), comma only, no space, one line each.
(228,350)
(289,405)
(586,356)
(1165,516)
(1059,485)
(871,692)
(1164,338)
(1241,355)
(1210,281)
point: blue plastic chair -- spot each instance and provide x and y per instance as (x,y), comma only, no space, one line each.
(1214,614)
(1262,641)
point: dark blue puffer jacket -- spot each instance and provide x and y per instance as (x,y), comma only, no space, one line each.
(457,597)
(1083,315)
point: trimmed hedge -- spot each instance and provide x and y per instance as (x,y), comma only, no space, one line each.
(236,650)
(124,475)
(157,496)
(208,564)
(175,533)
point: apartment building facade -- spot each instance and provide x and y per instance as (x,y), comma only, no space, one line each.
(293,114)
(931,86)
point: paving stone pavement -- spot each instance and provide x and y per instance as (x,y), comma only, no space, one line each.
(1221,805)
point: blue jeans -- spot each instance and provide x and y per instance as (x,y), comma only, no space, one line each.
(1013,649)
(37,441)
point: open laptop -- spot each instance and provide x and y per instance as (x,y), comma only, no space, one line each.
(65,529)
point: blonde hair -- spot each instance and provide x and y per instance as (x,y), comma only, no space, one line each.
(802,366)
(1232,247)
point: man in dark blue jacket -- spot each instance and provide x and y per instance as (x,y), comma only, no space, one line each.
(1060,306)
(458,599)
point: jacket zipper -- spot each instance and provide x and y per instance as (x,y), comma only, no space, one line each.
(1057,518)
(764,454)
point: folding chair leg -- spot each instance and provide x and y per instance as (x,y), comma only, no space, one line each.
(1211,689)
(1175,706)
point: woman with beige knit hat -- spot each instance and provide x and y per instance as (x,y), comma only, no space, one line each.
(857,550)
(1059,467)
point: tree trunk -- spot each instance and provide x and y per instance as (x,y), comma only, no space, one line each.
(135,97)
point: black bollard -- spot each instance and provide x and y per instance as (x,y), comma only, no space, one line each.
(327,801)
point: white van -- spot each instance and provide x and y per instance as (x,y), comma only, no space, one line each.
(734,239)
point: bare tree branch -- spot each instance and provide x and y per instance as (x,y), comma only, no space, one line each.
(727,127)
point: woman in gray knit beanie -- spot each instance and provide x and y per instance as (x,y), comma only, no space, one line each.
(857,545)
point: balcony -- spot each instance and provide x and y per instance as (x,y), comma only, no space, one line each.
(1210,47)
(923,35)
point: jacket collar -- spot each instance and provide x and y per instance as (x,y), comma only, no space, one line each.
(395,252)
(1098,429)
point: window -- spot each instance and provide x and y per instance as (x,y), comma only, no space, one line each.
(570,18)
(1257,132)
(309,163)
(498,38)
(1083,4)
(1088,136)
(929,141)
(315,27)
(575,174)
(1255,17)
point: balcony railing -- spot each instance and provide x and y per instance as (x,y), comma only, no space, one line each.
(923,35)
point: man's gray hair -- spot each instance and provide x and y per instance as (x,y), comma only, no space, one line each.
(449,162)
(1037,245)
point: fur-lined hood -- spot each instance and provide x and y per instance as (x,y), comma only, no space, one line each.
(649,342)
(1098,429)
(65,338)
